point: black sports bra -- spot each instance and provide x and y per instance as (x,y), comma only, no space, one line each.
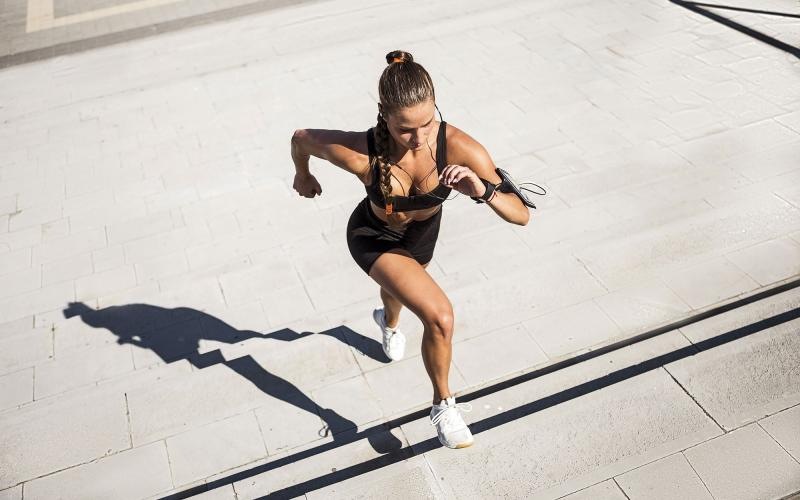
(415,202)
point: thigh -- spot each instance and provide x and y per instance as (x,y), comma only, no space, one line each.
(403,277)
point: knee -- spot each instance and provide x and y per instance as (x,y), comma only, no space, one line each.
(439,323)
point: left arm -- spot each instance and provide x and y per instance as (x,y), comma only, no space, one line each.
(473,163)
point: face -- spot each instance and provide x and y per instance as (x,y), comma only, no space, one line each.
(410,127)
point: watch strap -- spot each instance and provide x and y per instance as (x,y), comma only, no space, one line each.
(490,188)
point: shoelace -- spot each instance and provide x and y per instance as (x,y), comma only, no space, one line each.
(446,413)
(394,339)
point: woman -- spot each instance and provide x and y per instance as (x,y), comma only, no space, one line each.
(409,163)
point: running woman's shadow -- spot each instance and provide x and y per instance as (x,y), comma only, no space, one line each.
(175,334)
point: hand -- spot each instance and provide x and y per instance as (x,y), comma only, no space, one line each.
(463,180)
(306,185)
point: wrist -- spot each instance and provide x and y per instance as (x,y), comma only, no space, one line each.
(299,157)
(488,193)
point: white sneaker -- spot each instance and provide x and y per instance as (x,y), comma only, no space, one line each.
(450,427)
(394,342)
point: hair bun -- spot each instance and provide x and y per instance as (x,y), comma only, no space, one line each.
(399,56)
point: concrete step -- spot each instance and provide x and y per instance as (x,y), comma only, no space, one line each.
(721,422)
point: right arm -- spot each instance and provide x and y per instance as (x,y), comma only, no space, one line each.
(346,150)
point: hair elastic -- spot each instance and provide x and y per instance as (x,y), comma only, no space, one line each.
(397,60)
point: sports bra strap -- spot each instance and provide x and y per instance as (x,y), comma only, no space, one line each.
(441,148)
(371,143)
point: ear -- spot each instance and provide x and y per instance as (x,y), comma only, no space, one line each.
(380,110)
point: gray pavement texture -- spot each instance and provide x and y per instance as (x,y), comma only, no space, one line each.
(174,318)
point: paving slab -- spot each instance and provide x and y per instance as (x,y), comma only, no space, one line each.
(551,453)
(352,398)
(222,493)
(131,474)
(294,421)
(294,472)
(14,260)
(745,463)
(639,307)
(14,493)
(84,367)
(572,329)
(745,380)
(655,253)
(710,282)
(25,349)
(742,316)
(784,427)
(770,261)
(12,328)
(86,428)
(555,451)
(410,478)
(44,299)
(512,350)
(204,451)
(404,385)
(670,477)
(607,490)
(16,388)
(180,403)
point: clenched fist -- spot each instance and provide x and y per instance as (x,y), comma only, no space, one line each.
(306,185)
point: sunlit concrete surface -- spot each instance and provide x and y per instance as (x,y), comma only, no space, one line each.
(174,318)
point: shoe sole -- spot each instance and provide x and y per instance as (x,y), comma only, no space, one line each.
(459,445)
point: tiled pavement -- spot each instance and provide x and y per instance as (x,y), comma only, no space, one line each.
(151,179)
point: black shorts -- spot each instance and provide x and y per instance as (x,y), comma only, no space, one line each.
(368,237)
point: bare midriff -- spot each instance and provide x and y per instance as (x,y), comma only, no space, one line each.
(404,218)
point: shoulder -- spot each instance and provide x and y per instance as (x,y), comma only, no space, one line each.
(463,149)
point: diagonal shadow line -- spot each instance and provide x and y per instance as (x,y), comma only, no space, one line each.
(740,28)
(489,390)
(742,9)
(538,405)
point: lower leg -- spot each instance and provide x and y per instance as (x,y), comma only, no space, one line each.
(391,308)
(437,352)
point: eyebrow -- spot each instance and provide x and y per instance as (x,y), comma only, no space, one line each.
(425,125)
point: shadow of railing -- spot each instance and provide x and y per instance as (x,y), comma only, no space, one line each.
(774,42)
(175,334)
(415,449)
(502,418)
(743,9)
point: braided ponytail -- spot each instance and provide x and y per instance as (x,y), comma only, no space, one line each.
(382,146)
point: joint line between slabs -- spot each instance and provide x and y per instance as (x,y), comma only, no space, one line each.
(696,473)
(758,422)
(693,399)
(620,488)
